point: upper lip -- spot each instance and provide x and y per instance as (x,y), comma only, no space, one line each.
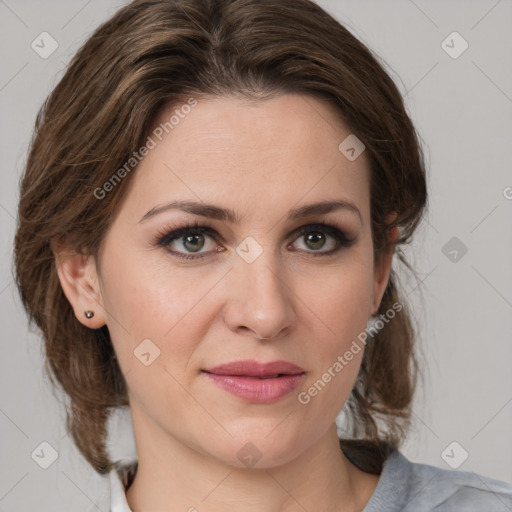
(251,368)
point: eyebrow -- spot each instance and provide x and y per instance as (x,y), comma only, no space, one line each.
(224,214)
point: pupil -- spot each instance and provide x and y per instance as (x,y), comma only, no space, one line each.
(317,240)
(190,239)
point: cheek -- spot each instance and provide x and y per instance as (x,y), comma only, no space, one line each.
(341,300)
(341,308)
(154,302)
(156,325)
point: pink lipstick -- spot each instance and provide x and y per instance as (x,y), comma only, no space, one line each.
(257,382)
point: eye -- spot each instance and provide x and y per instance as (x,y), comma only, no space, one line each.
(316,236)
(191,241)
(188,241)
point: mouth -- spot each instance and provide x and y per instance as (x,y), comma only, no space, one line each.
(257,382)
(251,368)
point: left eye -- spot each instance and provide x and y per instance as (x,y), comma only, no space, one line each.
(193,239)
(315,239)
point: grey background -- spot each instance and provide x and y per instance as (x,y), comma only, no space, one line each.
(463,110)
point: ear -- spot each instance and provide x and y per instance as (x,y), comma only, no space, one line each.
(382,268)
(79,280)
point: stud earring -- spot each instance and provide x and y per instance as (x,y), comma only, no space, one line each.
(89,314)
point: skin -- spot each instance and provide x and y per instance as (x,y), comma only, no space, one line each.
(261,160)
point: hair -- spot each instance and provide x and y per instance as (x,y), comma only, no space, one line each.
(152,54)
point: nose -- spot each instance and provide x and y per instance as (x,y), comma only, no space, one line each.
(261,303)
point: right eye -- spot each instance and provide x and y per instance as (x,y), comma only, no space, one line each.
(185,238)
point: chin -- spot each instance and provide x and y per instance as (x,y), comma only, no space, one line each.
(261,448)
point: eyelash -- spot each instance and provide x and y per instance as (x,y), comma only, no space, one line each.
(168,235)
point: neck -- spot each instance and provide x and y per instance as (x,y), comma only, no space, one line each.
(172,476)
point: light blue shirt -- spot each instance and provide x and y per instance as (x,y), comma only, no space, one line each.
(403,486)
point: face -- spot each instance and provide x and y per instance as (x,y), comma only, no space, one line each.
(185,292)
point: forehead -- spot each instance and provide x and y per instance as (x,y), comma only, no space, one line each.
(269,153)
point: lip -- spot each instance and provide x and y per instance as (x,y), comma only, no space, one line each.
(257,382)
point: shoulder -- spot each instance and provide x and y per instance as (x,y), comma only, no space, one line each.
(409,486)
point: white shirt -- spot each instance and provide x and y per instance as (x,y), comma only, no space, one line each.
(404,486)
(114,498)
(118,484)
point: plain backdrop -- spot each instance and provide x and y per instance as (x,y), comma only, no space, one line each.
(461,104)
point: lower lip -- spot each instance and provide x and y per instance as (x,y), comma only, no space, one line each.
(255,389)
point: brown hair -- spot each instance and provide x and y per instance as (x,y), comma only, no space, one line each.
(155,53)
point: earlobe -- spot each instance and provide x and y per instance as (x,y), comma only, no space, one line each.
(79,281)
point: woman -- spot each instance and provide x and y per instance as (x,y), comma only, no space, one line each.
(208,217)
